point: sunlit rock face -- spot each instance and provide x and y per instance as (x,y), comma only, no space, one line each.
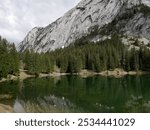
(78,21)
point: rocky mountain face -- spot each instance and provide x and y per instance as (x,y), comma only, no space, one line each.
(127,17)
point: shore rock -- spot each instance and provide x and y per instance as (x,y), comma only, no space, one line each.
(5,108)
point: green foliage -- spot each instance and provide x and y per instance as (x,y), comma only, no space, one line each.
(9,59)
(104,55)
(37,63)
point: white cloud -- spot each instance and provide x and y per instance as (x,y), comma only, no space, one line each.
(18,17)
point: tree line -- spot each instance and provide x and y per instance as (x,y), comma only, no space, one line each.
(103,55)
(9,58)
(37,63)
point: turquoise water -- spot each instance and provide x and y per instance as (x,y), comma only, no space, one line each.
(75,94)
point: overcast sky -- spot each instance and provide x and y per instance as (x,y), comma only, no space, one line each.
(18,17)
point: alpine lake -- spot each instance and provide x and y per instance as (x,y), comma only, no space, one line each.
(72,93)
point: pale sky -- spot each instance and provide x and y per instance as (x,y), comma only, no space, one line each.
(18,17)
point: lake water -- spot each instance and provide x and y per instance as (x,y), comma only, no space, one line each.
(76,94)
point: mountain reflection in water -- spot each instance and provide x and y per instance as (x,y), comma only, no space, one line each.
(77,94)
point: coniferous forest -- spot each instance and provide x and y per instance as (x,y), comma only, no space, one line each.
(100,56)
(9,58)
(104,55)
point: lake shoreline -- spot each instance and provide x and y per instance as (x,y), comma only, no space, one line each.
(5,108)
(117,73)
(72,93)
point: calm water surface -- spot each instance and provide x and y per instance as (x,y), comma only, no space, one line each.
(76,94)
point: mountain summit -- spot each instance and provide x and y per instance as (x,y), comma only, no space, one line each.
(128,17)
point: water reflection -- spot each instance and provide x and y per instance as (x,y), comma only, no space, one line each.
(18,106)
(76,94)
(45,104)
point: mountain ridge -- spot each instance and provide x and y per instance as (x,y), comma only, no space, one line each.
(77,22)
